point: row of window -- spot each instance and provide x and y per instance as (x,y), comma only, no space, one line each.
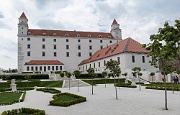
(143,59)
(55,54)
(44,68)
(55,46)
(67,40)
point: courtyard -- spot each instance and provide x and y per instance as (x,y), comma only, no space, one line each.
(130,101)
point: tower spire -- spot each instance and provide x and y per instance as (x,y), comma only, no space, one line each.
(114,22)
(23,16)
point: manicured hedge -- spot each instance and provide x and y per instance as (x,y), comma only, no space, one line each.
(162,88)
(49,90)
(29,111)
(58,102)
(128,85)
(22,76)
(86,76)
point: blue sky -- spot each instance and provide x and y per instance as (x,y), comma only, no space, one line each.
(138,19)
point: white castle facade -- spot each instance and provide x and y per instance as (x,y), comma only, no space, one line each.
(59,50)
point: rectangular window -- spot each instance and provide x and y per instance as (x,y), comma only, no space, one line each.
(133,59)
(90,41)
(67,46)
(43,53)
(90,65)
(118,59)
(90,47)
(43,46)
(79,47)
(86,67)
(143,59)
(28,39)
(79,40)
(28,53)
(110,41)
(54,46)
(48,67)
(44,68)
(36,68)
(27,68)
(94,65)
(67,40)
(99,64)
(28,46)
(67,54)
(40,68)
(55,54)
(101,47)
(56,68)
(104,62)
(53,68)
(43,39)
(101,41)
(90,53)
(60,67)
(54,40)
(32,68)
(79,54)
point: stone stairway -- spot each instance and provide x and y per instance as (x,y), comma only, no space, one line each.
(74,83)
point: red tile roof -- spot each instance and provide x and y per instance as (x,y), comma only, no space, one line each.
(114,22)
(44,62)
(127,45)
(23,15)
(65,33)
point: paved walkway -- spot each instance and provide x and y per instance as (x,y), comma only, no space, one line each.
(103,102)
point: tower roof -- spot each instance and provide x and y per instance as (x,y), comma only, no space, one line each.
(114,22)
(23,16)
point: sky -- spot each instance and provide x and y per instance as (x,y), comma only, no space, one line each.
(138,19)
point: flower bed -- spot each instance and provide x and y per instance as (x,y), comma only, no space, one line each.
(49,90)
(23,111)
(66,99)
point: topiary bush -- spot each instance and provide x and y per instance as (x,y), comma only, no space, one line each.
(65,103)
(49,90)
(29,111)
(128,85)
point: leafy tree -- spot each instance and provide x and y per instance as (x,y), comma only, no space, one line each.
(68,74)
(104,74)
(77,73)
(61,74)
(136,71)
(113,66)
(152,75)
(164,48)
(92,74)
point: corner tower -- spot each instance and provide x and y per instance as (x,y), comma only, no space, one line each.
(22,25)
(115,30)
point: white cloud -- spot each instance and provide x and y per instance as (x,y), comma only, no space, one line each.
(138,19)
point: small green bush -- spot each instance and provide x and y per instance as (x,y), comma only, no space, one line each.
(25,111)
(49,90)
(128,85)
(58,102)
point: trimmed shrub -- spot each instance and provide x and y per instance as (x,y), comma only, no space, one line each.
(24,110)
(58,102)
(128,85)
(49,90)
(22,76)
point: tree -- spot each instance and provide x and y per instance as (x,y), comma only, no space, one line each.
(104,74)
(68,74)
(77,73)
(92,74)
(152,75)
(113,66)
(136,71)
(164,48)
(61,74)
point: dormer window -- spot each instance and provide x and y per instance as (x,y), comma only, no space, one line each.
(66,35)
(29,33)
(44,34)
(109,36)
(78,35)
(54,34)
(100,36)
(89,36)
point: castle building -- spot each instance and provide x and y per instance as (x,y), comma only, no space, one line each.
(59,50)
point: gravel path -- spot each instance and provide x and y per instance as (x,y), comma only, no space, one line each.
(103,102)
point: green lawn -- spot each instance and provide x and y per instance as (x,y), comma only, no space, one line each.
(9,97)
(102,81)
(34,83)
